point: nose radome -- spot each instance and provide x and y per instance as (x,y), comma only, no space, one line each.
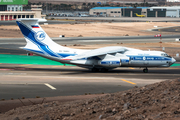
(173,60)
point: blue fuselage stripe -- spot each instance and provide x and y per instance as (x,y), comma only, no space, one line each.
(149,58)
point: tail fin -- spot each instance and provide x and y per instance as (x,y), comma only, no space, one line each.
(37,40)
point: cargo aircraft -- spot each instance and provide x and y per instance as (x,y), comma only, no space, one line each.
(139,15)
(101,59)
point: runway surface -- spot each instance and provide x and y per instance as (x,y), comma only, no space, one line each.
(49,22)
(79,20)
(95,40)
(122,19)
(30,81)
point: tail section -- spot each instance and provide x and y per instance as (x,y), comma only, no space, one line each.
(37,40)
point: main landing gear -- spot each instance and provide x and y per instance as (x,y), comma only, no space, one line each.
(145,70)
(99,70)
(94,70)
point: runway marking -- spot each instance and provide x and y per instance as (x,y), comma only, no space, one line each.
(174,68)
(5,53)
(131,68)
(92,40)
(55,66)
(128,81)
(23,65)
(50,86)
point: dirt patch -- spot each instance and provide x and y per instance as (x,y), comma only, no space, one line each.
(159,101)
(92,29)
(7,105)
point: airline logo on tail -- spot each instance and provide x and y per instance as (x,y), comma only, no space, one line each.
(40,36)
(37,38)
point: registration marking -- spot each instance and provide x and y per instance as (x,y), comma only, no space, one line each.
(128,81)
(50,86)
(23,65)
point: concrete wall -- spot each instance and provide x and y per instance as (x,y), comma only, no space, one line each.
(37,12)
(172,13)
(6,16)
(106,12)
(144,12)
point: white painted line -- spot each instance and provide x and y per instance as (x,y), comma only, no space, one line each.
(92,40)
(50,86)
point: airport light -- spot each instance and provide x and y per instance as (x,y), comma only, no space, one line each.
(159,35)
(46,7)
(123,9)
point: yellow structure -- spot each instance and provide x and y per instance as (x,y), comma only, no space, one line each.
(139,15)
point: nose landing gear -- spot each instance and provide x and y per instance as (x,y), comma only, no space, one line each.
(145,70)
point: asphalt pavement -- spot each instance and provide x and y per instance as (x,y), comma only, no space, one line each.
(30,81)
(121,19)
(98,40)
(48,21)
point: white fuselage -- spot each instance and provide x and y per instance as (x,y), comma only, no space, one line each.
(103,58)
(130,58)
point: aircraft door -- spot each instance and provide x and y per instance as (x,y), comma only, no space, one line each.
(146,62)
(129,60)
(120,62)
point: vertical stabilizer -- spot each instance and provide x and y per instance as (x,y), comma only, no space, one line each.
(37,39)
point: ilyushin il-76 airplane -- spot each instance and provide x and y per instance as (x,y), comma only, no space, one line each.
(102,59)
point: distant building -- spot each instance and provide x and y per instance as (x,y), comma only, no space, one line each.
(117,11)
(172,11)
(173,0)
(13,9)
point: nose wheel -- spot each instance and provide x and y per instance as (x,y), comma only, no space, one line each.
(145,70)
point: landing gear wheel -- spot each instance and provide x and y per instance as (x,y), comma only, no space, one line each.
(94,69)
(145,70)
(104,70)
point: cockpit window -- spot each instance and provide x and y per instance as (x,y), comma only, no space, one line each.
(165,55)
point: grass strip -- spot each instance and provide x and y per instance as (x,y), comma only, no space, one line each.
(22,59)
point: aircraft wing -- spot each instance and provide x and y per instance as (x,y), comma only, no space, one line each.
(100,52)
